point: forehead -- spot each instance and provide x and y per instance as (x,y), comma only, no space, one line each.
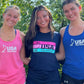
(12,11)
(42,12)
(70,5)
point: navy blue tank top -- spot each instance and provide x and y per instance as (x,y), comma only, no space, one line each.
(74,54)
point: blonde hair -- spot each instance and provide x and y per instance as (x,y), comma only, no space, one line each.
(14,7)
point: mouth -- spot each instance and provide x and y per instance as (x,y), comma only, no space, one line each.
(42,23)
(71,16)
(10,22)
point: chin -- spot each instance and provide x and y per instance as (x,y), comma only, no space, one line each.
(10,26)
(72,19)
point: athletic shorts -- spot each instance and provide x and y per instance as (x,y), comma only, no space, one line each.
(69,80)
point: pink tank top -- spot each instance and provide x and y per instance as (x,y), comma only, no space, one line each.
(11,66)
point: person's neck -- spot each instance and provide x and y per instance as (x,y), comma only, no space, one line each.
(45,30)
(6,29)
(76,22)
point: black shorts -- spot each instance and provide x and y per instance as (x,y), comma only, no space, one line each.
(69,80)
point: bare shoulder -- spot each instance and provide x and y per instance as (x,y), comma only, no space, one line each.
(22,35)
(62,30)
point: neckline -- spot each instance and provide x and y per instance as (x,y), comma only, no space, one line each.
(74,35)
(45,33)
(11,40)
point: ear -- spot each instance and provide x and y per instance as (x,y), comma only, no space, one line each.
(80,8)
(3,15)
(18,19)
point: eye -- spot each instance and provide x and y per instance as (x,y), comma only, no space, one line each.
(72,8)
(38,18)
(9,14)
(15,16)
(44,15)
(66,11)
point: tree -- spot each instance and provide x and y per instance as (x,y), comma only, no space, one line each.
(26,7)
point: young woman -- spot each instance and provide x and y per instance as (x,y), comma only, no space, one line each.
(41,43)
(11,65)
(72,43)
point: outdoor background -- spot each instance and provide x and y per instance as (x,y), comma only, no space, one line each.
(26,7)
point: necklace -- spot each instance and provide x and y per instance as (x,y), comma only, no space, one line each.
(81,25)
(7,36)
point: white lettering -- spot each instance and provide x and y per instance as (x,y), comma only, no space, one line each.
(77,42)
(9,49)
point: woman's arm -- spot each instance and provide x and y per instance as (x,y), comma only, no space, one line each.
(22,52)
(61,54)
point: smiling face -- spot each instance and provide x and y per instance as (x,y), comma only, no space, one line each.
(11,17)
(71,11)
(42,19)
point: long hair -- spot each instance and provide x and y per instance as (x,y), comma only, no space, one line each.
(34,28)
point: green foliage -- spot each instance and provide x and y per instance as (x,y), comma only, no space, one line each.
(26,7)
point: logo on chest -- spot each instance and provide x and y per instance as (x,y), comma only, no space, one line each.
(77,42)
(41,46)
(9,49)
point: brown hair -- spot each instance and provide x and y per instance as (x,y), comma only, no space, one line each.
(34,28)
(70,1)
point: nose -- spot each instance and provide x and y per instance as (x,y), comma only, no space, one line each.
(42,19)
(70,12)
(12,18)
